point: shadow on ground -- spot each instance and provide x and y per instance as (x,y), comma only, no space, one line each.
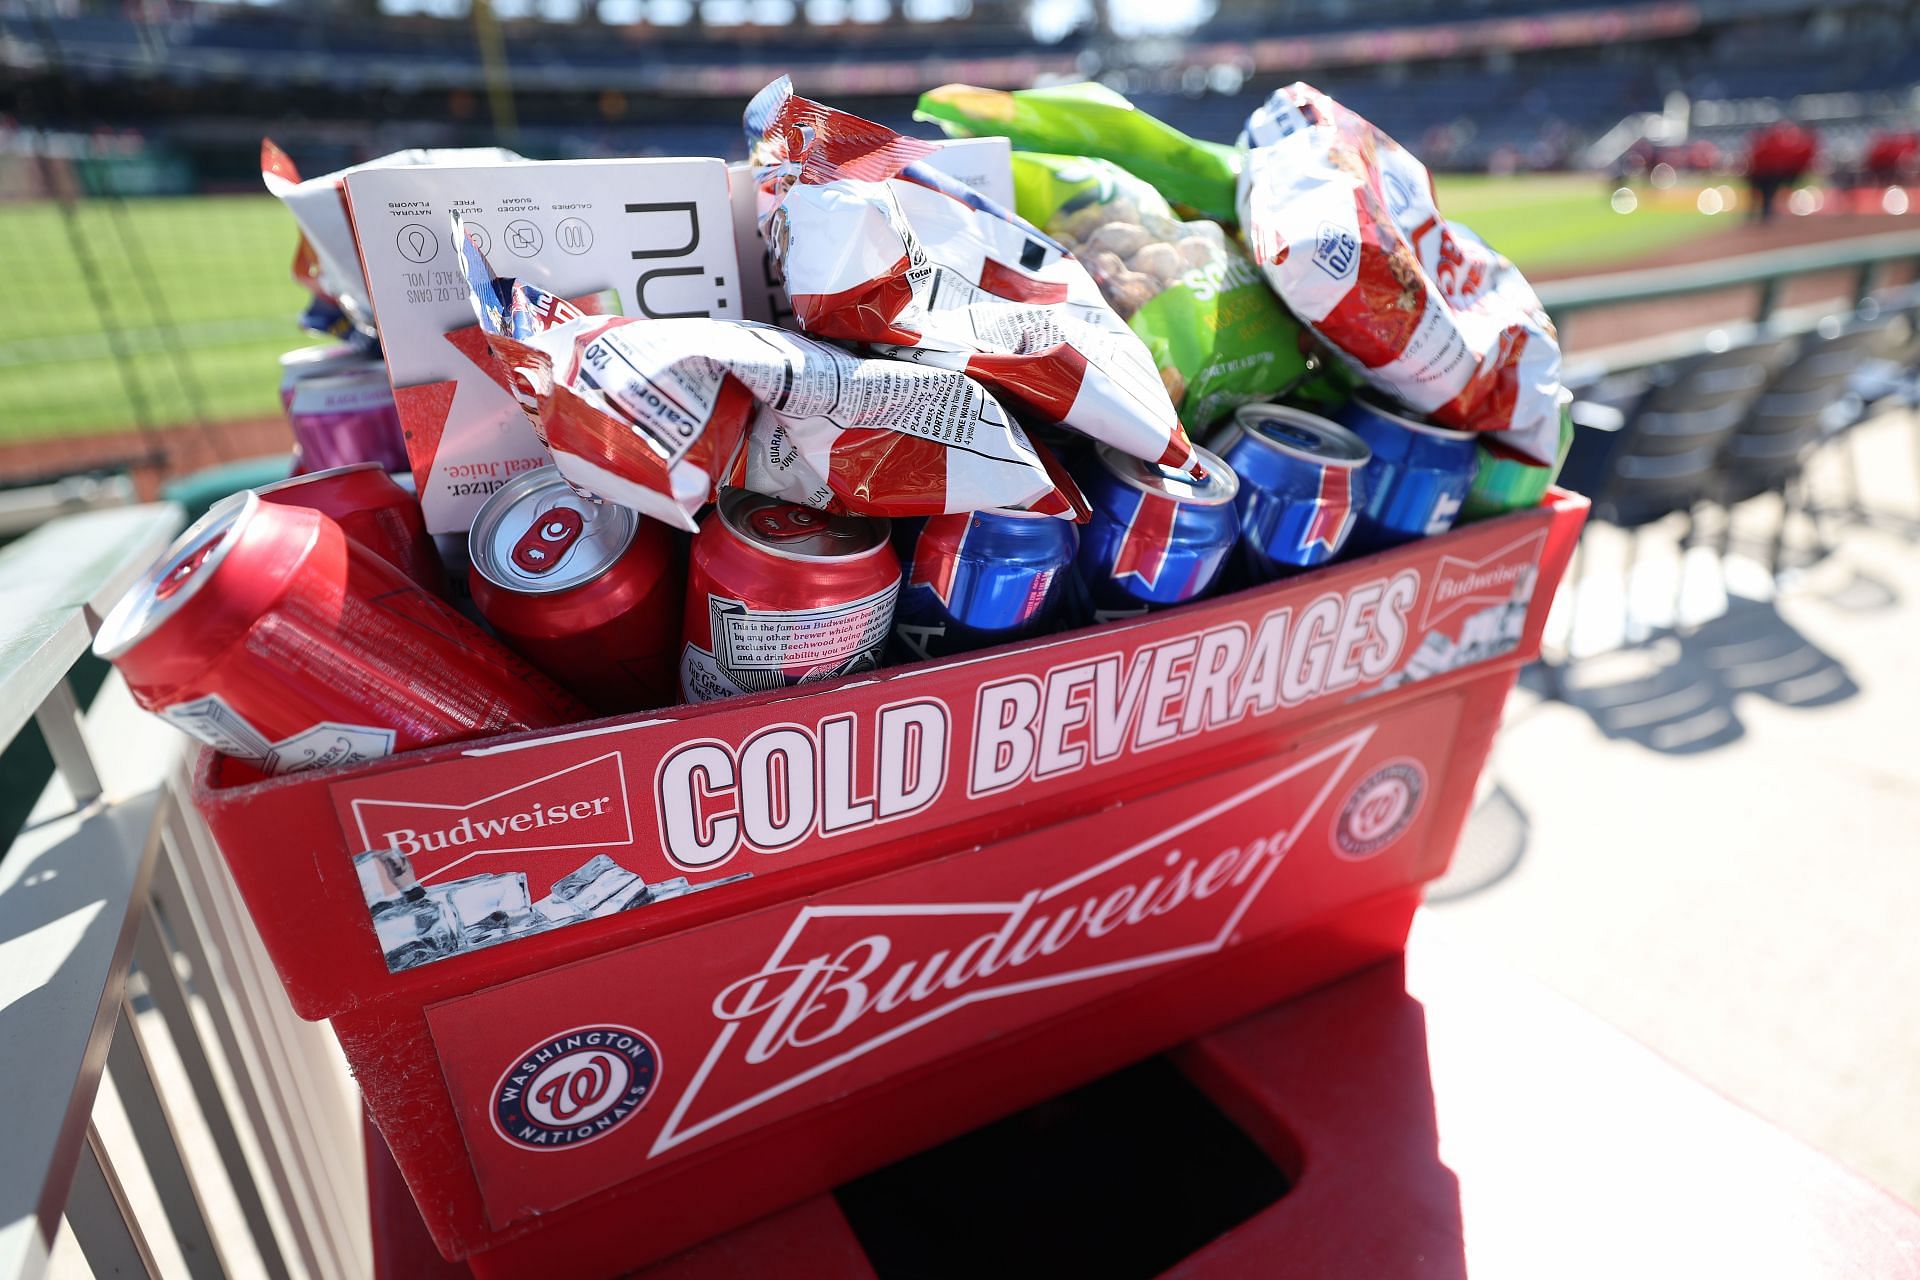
(1677,693)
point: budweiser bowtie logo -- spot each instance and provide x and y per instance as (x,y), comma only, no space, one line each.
(847,979)
(583,806)
(1471,584)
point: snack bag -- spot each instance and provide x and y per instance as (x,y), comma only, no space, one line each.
(1093,120)
(878,248)
(654,414)
(1219,335)
(1343,222)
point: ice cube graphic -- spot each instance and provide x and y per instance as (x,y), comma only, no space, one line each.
(500,927)
(592,881)
(674,888)
(598,887)
(415,929)
(483,901)
(678,887)
(374,886)
(1480,630)
(634,892)
(1524,584)
(558,910)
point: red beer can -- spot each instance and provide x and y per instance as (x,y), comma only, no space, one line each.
(782,595)
(374,510)
(268,633)
(587,591)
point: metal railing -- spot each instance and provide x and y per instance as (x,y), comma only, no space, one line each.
(1867,257)
(125,951)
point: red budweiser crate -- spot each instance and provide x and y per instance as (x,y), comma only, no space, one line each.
(662,974)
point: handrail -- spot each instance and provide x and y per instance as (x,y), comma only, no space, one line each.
(1582,293)
(118,929)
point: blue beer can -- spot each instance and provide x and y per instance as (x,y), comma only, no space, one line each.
(981,578)
(1156,537)
(1418,478)
(1301,487)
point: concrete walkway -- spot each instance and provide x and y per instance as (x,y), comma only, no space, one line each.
(1715,843)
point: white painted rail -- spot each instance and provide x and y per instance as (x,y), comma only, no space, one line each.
(126,958)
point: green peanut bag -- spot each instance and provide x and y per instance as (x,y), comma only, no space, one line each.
(1216,331)
(1093,120)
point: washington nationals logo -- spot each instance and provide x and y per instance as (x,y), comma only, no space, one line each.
(1380,809)
(578,1086)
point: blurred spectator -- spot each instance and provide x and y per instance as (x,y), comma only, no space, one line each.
(1891,158)
(1778,156)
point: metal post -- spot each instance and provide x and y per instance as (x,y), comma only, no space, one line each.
(154,958)
(59,719)
(1864,282)
(158,1135)
(493,61)
(101,1219)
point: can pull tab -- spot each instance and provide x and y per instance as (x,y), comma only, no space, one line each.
(784,523)
(177,576)
(544,543)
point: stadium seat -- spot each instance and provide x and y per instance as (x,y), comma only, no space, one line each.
(1805,403)
(1658,453)
(1664,456)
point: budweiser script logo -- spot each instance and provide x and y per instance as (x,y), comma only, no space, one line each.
(583,806)
(1461,584)
(847,979)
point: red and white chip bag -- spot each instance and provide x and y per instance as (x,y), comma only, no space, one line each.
(655,414)
(1344,223)
(877,247)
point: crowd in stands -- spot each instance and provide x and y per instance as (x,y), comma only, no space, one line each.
(589,88)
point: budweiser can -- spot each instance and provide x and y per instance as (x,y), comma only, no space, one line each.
(587,591)
(269,634)
(340,407)
(782,595)
(374,510)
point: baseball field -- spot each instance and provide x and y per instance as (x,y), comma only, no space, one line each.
(167,312)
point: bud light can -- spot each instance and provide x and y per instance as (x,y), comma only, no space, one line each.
(982,578)
(1156,537)
(1300,487)
(779,595)
(1418,478)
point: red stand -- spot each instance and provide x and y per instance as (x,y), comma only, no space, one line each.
(1441,1118)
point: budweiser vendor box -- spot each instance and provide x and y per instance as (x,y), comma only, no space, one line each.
(613,988)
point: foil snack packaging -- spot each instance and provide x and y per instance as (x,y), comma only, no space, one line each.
(1219,336)
(1344,223)
(1092,120)
(656,414)
(879,248)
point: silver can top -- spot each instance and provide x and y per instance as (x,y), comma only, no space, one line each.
(174,578)
(309,477)
(1299,433)
(1219,486)
(1380,407)
(795,532)
(536,536)
(312,362)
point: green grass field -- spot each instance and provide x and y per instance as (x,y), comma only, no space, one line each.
(196,289)
(198,292)
(1561,222)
